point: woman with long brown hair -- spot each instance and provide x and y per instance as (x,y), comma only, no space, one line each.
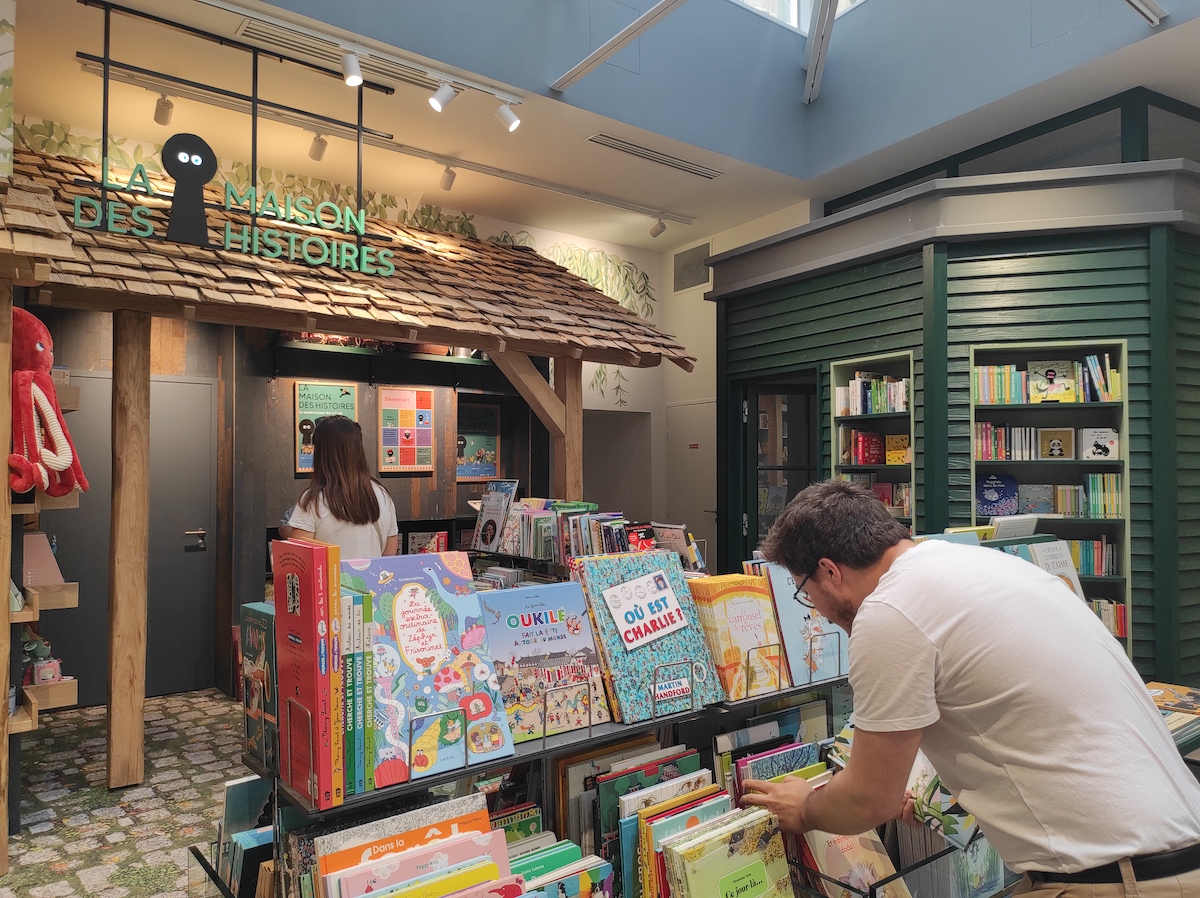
(343,503)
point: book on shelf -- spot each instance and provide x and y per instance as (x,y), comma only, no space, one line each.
(542,643)
(897,450)
(1112,614)
(996,495)
(1100,443)
(677,538)
(872,394)
(744,855)
(379,874)
(493,511)
(438,706)
(420,542)
(815,648)
(260,695)
(860,447)
(1055,558)
(654,650)
(1051,381)
(1012,526)
(1171,697)
(738,617)
(1056,443)
(1035,498)
(856,861)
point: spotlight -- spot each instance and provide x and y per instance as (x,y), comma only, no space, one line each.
(351,69)
(317,151)
(507,117)
(658,228)
(442,97)
(162,110)
(448,178)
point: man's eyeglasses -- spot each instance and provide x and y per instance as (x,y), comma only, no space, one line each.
(801,596)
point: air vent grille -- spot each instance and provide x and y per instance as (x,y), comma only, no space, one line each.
(690,268)
(270,36)
(633,149)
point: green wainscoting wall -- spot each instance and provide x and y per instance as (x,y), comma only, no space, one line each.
(1141,285)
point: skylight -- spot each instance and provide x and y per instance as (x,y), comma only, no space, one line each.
(793,13)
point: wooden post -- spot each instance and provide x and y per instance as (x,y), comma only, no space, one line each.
(567,450)
(129,549)
(6,538)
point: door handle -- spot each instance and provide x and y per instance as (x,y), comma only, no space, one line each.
(200,535)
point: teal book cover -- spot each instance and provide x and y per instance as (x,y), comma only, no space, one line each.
(260,696)
(437,698)
(627,829)
(646,622)
(594,882)
(816,649)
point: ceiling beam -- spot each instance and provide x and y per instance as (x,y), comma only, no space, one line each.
(534,389)
(628,34)
(817,49)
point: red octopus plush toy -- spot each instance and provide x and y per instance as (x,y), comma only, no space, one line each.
(43,455)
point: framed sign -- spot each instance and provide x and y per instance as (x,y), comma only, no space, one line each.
(405,430)
(478,442)
(314,401)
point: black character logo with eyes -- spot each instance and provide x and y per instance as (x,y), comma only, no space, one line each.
(192,163)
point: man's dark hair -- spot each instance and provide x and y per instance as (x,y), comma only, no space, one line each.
(835,519)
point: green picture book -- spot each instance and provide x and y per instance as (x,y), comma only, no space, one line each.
(555,857)
(745,859)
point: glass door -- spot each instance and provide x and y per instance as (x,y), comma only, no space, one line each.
(783,429)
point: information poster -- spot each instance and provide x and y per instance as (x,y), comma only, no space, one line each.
(478,441)
(315,401)
(405,430)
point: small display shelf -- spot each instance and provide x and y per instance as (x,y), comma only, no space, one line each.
(62,694)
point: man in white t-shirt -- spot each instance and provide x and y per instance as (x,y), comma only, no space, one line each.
(1023,702)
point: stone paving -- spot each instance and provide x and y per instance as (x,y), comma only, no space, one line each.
(79,839)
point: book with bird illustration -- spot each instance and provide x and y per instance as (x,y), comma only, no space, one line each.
(437,697)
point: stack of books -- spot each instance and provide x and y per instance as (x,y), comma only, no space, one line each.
(738,617)
(1180,706)
(872,394)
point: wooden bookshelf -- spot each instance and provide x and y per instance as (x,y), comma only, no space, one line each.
(63,694)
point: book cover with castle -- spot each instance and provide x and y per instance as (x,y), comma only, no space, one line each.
(437,697)
(542,643)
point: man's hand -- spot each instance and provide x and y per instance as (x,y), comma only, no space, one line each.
(785,800)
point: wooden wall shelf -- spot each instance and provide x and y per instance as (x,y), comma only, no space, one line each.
(53,596)
(62,694)
(42,502)
(25,719)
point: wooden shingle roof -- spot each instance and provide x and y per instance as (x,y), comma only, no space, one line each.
(446,288)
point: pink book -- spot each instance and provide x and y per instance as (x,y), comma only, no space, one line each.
(381,873)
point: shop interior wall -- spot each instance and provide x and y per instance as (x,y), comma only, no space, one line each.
(692,320)
(866,310)
(1069,288)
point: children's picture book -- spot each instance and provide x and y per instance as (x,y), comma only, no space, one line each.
(538,863)
(519,823)
(1056,442)
(380,874)
(423,541)
(739,623)
(744,858)
(934,807)
(1099,443)
(247,807)
(493,509)
(776,762)
(1055,558)
(636,866)
(816,649)
(996,494)
(342,849)
(1035,498)
(545,657)
(1052,381)
(857,861)
(259,693)
(649,796)
(1013,526)
(589,877)
(1170,697)
(649,632)
(672,823)
(978,870)
(804,723)
(437,696)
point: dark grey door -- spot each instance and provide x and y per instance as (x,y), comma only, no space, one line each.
(180,648)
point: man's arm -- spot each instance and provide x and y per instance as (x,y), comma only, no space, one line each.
(870,791)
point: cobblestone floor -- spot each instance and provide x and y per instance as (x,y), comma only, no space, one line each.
(79,839)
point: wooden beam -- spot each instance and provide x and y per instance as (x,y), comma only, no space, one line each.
(129,547)
(6,538)
(567,450)
(533,389)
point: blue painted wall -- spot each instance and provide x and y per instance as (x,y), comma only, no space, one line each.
(719,76)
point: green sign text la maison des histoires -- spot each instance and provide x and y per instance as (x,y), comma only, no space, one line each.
(118,217)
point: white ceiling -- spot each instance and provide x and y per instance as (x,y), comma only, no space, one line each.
(551,144)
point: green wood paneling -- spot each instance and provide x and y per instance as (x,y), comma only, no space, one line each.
(1186,276)
(1059,289)
(867,310)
